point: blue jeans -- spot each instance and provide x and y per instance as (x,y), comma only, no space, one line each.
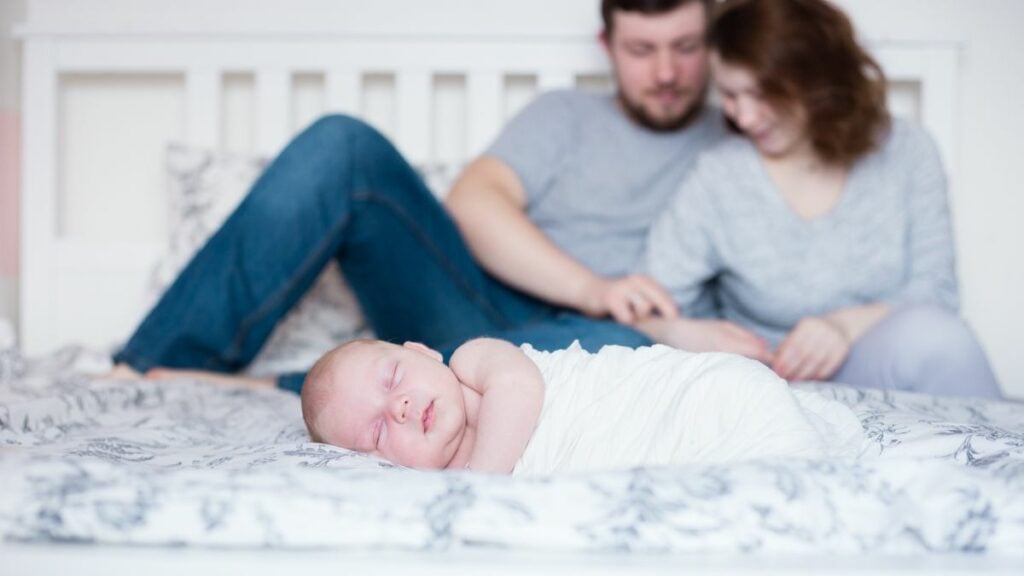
(921,349)
(341,190)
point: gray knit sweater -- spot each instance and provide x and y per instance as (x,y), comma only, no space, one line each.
(730,237)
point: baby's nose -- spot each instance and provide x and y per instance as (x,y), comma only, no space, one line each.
(400,408)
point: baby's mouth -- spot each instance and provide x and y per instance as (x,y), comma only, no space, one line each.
(428,417)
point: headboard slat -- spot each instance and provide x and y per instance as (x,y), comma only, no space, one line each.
(202,107)
(273,109)
(484,98)
(555,80)
(343,89)
(414,94)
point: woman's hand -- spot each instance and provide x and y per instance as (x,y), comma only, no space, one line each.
(813,350)
(706,336)
(627,299)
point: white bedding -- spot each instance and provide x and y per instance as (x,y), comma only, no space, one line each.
(656,405)
(185,463)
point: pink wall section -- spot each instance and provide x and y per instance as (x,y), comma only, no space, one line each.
(9,182)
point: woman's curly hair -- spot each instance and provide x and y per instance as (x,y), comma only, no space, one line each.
(804,52)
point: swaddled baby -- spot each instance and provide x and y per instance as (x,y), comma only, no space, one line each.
(499,408)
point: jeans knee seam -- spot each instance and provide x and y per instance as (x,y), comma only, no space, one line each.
(247,322)
(275,299)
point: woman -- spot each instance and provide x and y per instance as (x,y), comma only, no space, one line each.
(823,226)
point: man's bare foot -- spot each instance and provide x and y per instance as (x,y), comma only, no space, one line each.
(126,372)
(215,377)
(122,372)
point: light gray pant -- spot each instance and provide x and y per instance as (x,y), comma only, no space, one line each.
(921,349)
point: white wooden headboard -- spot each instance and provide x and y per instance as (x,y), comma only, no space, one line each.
(90,289)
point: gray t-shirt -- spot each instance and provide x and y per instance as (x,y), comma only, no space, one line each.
(888,239)
(594,180)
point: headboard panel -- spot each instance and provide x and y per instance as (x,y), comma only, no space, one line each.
(85,290)
(342,62)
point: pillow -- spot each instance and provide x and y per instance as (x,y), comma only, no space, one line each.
(204,187)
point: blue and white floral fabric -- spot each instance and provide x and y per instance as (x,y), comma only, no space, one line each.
(185,463)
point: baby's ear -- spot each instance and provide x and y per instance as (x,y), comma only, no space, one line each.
(424,349)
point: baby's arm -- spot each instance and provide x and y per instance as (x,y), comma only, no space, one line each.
(512,394)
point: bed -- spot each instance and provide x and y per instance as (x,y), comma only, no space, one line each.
(199,466)
(138,476)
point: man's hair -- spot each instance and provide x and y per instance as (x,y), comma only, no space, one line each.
(804,52)
(646,7)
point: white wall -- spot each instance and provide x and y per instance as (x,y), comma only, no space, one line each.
(988,190)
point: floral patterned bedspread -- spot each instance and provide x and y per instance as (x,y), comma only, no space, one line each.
(187,463)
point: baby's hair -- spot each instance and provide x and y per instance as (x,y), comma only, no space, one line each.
(318,384)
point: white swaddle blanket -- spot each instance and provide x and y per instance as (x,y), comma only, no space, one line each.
(658,405)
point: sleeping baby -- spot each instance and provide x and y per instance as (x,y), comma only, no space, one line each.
(499,408)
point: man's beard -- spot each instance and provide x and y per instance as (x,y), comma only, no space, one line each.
(638,114)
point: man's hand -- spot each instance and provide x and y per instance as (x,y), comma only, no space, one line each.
(628,299)
(813,350)
(706,336)
(488,203)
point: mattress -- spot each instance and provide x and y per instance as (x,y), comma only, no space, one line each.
(187,463)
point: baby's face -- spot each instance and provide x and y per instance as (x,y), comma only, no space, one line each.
(397,402)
